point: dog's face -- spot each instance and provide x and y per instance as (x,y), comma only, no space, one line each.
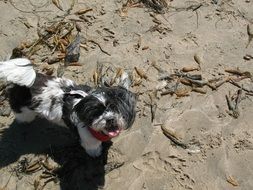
(107,110)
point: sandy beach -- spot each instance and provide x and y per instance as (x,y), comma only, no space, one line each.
(191,64)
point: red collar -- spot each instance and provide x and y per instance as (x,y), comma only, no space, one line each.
(100,136)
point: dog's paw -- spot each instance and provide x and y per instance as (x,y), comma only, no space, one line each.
(94,152)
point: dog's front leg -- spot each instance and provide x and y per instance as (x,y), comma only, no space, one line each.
(92,146)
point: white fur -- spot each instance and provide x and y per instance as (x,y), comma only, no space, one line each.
(76,101)
(92,146)
(19,71)
(26,115)
(80,92)
(52,111)
(125,80)
(100,123)
(100,97)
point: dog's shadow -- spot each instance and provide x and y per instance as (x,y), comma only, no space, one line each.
(77,170)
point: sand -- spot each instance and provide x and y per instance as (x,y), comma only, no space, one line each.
(219,150)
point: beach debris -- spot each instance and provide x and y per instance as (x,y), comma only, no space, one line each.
(189,69)
(36,184)
(153,105)
(60,70)
(238,99)
(48,70)
(163,74)
(247,57)
(110,75)
(83,11)
(56,57)
(196,81)
(215,1)
(250,34)
(119,73)
(233,106)
(188,76)
(136,82)
(185,82)
(238,72)
(173,136)
(196,7)
(199,90)
(249,94)
(123,12)
(57,4)
(33,167)
(198,60)
(232,181)
(145,48)
(21,166)
(41,164)
(157,6)
(193,149)
(73,51)
(221,82)
(138,44)
(97,75)
(182,92)
(45,163)
(141,73)
(101,49)
(112,166)
(95,78)
(53,37)
(161,29)
(231,81)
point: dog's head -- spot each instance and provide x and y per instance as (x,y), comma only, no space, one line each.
(107,110)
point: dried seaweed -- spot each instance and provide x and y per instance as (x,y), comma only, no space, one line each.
(157,6)
(73,50)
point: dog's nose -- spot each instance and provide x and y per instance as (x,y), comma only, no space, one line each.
(111,121)
(112,124)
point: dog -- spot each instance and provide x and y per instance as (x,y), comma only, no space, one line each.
(97,114)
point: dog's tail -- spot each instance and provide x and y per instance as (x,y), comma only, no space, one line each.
(18,71)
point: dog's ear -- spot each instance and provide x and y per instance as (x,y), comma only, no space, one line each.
(125,80)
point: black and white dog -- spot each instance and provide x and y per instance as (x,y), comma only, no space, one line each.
(98,114)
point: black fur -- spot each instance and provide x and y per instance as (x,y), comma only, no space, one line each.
(69,99)
(19,96)
(89,109)
(119,100)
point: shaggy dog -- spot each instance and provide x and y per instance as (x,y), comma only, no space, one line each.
(97,114)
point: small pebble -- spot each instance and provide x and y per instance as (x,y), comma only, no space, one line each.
(245,57)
